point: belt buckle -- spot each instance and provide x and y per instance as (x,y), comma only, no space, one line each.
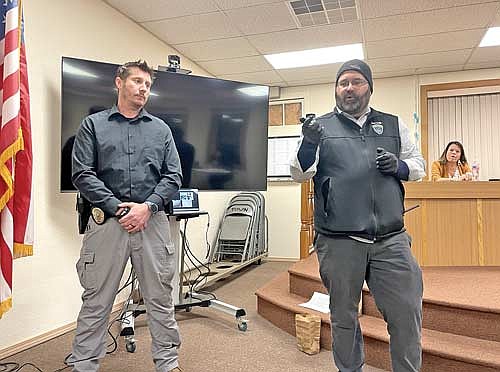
(98,215)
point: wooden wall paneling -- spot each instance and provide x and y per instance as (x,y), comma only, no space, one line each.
(452,233)
(480,231)
(413,224)
(491,234)
(425,233)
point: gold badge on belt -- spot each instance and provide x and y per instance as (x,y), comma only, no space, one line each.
(98,215)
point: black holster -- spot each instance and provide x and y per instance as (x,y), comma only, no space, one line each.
(83,208)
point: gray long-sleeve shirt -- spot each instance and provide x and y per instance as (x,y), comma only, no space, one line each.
(116,160)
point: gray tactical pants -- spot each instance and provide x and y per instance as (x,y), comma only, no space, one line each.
(105,251)
(395,281)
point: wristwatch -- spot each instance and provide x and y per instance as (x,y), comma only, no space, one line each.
(153,207)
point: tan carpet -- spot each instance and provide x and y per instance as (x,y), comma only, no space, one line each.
(211,340)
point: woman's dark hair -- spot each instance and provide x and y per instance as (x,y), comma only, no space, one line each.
(463,159)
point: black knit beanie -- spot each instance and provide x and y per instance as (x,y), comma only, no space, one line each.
(359,66)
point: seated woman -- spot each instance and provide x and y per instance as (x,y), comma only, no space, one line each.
(452,165)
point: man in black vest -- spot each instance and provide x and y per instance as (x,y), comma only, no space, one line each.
(357,157)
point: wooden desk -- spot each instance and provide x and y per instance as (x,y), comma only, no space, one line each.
(457,224)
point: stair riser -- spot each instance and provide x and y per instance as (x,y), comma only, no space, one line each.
(305,287)
(377,354)
(450,319)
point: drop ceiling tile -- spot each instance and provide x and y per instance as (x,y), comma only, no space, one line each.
(236,65)
(485,54)
(440,69)
(480,65)
(193,28)
(384,8)
(496,21)
(391,74)
(419,61)
(262,19)
(312,72)
(424,44)
(424,23)
(261,77)
(233,4)
(217,49)
(161,9)
(307,38)
(295,83)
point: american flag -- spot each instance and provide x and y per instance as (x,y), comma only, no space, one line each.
(16,217)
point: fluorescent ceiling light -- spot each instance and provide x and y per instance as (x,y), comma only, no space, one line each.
(491,37)
(255,91)
(69,69)
(315,57)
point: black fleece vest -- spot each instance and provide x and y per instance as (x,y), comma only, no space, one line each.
(351,196)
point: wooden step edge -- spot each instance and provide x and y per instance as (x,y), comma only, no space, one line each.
(442,344)
(313,277)
(290,301)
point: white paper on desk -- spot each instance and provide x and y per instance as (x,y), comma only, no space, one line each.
(318,302)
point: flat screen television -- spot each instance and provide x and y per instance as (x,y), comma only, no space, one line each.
(219,126)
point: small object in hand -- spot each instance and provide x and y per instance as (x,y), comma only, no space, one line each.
(124,212)
(386,161)
(311,129)
(308,120)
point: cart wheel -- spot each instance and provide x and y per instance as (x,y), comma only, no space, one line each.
(130,346)
(188,309)
(242,326)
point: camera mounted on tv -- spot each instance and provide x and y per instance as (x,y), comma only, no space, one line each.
(174,65)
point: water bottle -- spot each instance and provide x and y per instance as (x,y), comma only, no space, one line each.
(475,170)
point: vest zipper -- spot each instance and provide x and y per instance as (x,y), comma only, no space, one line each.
(371,187)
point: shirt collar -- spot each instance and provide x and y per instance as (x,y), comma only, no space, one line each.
(143,115)
(361,120)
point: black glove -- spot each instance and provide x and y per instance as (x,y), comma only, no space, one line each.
(387,162)
(311,129)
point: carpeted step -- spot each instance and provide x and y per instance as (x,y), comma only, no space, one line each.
(458,300)
(279,306)
(304,277)
(442,352)
(469,305)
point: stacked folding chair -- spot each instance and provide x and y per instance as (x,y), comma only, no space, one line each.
(242,234)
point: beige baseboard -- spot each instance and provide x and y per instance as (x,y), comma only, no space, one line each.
(280,259)
(44,337)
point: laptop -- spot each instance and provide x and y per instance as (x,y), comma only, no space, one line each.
(185,201)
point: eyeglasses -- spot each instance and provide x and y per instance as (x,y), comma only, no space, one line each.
(356,83)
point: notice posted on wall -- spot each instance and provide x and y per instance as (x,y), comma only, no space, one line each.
(280,151)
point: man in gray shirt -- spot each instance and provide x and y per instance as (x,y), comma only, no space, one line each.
(358,157)
(126,165)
